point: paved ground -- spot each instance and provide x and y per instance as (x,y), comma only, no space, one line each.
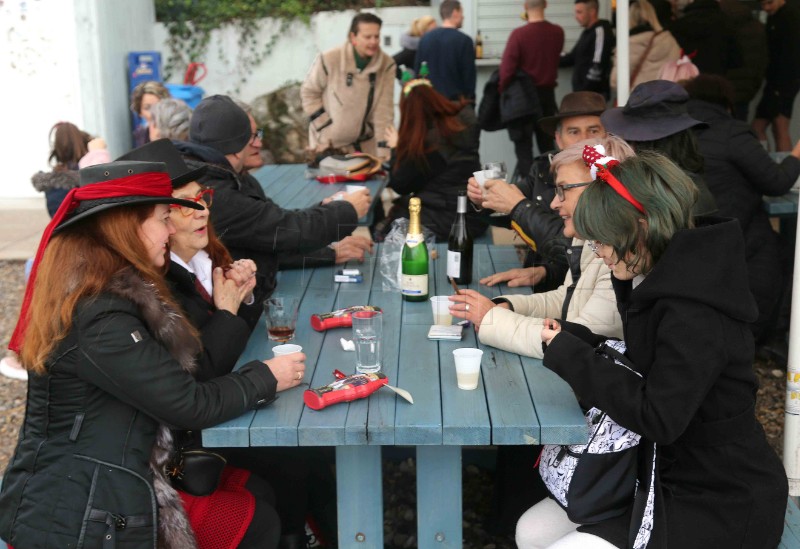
(22,221)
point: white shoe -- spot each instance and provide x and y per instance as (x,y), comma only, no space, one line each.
(10,367)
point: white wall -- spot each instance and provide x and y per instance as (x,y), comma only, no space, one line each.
(64,60)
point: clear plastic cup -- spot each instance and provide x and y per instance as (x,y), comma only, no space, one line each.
(468,367)
(440,304)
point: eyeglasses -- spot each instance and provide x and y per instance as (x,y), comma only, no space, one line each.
(205,196)
(257,135)
(561,188)
(595,246)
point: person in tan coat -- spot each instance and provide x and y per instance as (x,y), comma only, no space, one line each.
(348,92)
(514,322)
(650,45)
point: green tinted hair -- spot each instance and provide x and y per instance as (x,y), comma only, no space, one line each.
(664,190)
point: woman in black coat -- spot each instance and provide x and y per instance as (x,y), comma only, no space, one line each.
(682,294)
(434,153)
(110,364)
(739,172)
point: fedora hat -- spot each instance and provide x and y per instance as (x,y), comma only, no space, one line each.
(655,109)
(582,103)
(118,172)
(162,150)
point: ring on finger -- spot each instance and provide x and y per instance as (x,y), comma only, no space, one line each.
(299,376)
(467,307)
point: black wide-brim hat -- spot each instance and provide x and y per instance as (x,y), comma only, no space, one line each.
(107,173)
(162,150)
(655,110)
(582,103)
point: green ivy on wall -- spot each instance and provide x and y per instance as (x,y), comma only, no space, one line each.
(189,24)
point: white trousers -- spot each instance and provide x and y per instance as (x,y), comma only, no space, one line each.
(545,525)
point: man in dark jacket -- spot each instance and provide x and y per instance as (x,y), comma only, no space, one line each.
(246,220)
(591,55)
(528,201)
(705,29)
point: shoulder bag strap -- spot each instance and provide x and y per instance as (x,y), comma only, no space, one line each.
(370,99)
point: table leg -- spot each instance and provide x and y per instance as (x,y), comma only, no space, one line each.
(439,499)
(359,496)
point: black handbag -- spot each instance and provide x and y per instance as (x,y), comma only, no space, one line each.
(196,472)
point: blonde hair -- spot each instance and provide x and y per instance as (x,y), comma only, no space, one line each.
(419,26)
(641,12)
(615,146)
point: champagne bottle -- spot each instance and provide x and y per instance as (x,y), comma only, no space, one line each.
(414,284)
(479,45)
(459,245)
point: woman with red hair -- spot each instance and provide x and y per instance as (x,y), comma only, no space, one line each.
(434,153)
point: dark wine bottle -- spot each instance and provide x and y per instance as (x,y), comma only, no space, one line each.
(414,284)
(459,245)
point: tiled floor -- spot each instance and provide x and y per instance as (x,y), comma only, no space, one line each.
(22,221)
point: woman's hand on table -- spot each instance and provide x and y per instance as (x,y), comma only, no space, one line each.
(352,248)
(360,200)
(288,369)
(522,276)
(391,137)
(550,330)
(474,192)
(471,305)
(335,196)
(501,196)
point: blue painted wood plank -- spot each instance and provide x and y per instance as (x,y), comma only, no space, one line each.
(465,416)
(785,205)
(439,497)
(359,497)
(791,527)
(509,401)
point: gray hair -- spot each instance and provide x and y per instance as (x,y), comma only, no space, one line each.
(615,146)
(171,117)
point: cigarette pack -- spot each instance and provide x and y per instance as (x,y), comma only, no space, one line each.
(445,332)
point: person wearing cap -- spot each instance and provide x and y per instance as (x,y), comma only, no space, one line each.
(221,138)
(347,93)
(590,57)
(111,365)
(655,118)
(528,200)
(706,475)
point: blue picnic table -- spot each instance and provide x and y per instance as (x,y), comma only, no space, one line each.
(518,400)
(288,186)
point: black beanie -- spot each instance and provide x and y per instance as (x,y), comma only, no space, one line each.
(221,124)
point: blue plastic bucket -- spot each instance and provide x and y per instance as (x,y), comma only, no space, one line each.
(191,95)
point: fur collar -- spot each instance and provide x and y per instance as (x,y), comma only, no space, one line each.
(46,181)
(168,327)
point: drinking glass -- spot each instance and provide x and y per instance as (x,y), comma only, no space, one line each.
(495,170)
(367,336)
(281,316)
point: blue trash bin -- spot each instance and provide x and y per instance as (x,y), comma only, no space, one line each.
(191,95)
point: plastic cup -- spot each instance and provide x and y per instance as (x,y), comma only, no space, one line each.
(440,304)
(468,367)
(480,179)
(286,349)
(367,337)
(281,317)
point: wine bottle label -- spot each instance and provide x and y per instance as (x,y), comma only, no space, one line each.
(453,264)
(414,284)
(413,240)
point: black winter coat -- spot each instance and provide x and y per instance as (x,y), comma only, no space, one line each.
(81,468)
(437,179)
(686,326)
(594,47)
(705,29)
(252,226)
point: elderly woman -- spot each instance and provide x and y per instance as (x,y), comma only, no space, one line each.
(216,294)
(689,387)
(111,367)
(514,322)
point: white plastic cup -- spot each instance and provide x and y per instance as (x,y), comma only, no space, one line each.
(468,367)
(286,349)
(480,179)
(440,304)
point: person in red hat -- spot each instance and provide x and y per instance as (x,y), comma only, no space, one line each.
(110,365)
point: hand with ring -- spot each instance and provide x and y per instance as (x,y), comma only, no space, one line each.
(470,305)
(288,369)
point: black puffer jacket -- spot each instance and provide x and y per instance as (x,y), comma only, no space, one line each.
(686,326)
(94,442)
(254,227)
(55,185)
(705,29)
(437,179)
